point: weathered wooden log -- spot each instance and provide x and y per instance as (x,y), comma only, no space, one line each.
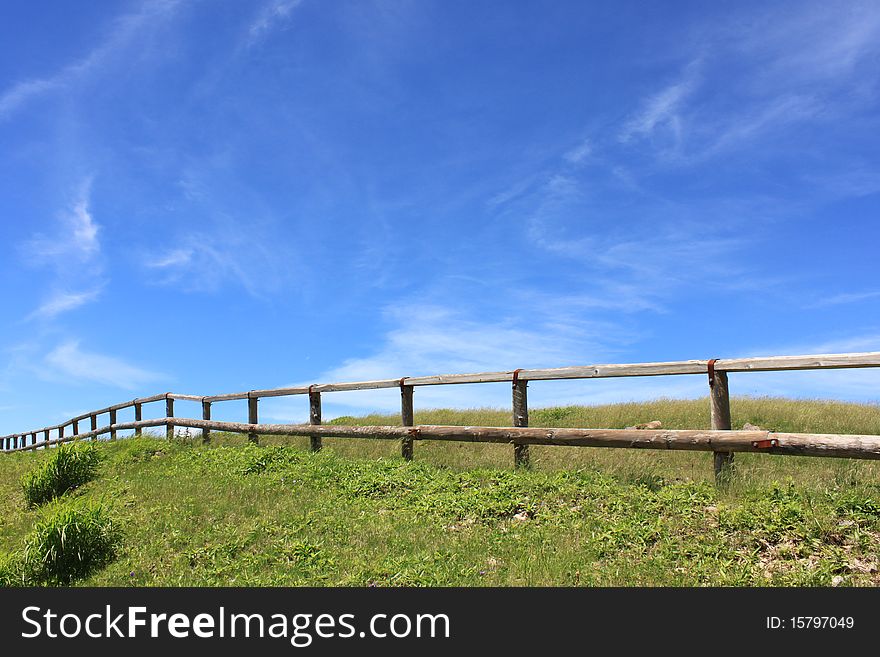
(790,444)
(407,419)
(174,395)
(169,414)
(719,396)
(112,424)
(206,415)
(253,418)
(138,416)
(315,419)
(520,419)
(154,398)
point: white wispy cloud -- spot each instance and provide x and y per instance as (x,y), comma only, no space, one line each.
(232,253)
(268,18)
(124,30)
(819,43)
(62,302)
(77,234)
(846,297)
(580,152)
(75,240)
(69,362)
(433,339)
(663,108)
(814,64)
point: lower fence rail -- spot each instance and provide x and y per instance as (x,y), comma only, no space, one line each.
(769,442)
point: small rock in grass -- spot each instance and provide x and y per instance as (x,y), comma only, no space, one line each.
(837,580)
(653,424)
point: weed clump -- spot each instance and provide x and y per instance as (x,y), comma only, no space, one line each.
(70,544)
(70,467)
(11,573)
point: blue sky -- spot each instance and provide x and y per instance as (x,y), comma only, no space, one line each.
(213,196)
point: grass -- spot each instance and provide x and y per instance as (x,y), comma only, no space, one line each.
(70,466)
(356,514)
(70,543)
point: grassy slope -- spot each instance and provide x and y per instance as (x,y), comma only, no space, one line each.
(356,514)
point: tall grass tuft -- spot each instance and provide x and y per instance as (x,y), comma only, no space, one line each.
(70,544)
(11,573)
(70,466)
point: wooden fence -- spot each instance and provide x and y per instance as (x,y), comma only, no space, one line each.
(720,440)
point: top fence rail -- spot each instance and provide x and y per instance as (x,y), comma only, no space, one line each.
(756,364)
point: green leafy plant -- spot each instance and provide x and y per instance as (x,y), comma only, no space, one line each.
(11,572)
(70,543)
(69,467)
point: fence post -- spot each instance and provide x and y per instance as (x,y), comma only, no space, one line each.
(76,427)
(93,421)
(112,424)
(169,412)
(520,419)
(720,414)
(46,437)
(138,416)
(315,418)
(34,439)
(206,415)
(253,418)
(407,419)
(60,435)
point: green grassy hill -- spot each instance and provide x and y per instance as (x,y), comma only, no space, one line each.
(356,514)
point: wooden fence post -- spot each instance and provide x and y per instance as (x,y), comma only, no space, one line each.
(315,418)
(34,439)
(407,419)
(76,427)
(206,415)
(46,437)
(138,416)
(169,412)
(93,421)
(520,419)
(253,418)
(60,435)
(720,413)
(112,424)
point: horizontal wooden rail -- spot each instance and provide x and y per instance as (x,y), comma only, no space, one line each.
(672,368)
(769,442)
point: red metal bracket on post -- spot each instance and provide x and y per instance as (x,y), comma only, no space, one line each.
(765,444)
(711,368)
(516,376)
